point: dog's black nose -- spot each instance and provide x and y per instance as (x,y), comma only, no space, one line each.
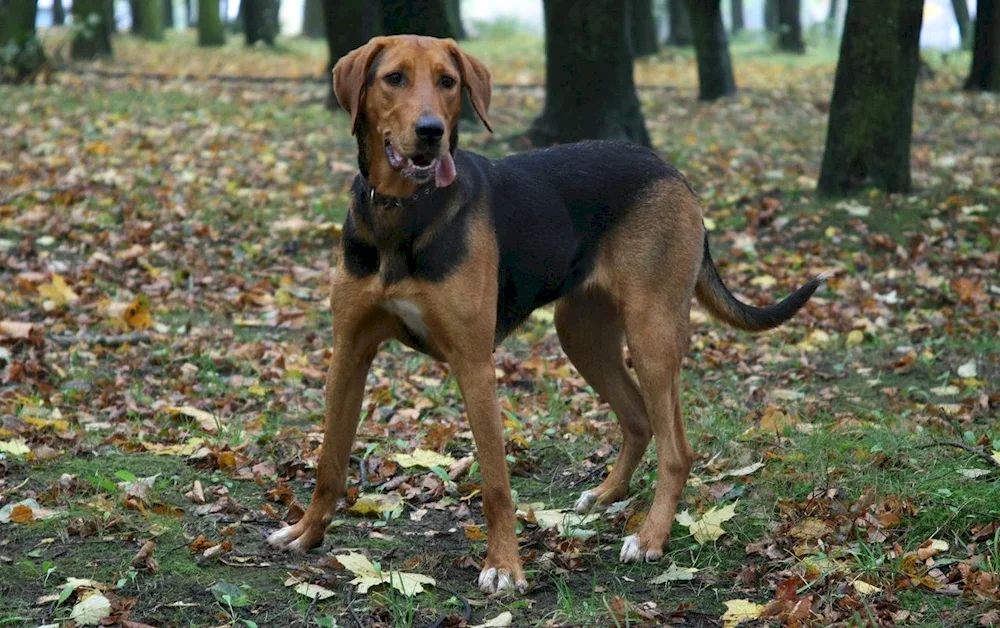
(430,129)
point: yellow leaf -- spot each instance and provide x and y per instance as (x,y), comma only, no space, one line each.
(59,425)
(206,420)
(390,505)
(567,523)
(91,610)
(764,281)
(424,458)
(58,291)
(710,224)
(368,576)
(503,620)
(14,447)
(185,449)
(675,574)
(136,315)
(739,611)
(313,591)
(996,456)
(856,337)
(863,588)
(709,526)
(21,514)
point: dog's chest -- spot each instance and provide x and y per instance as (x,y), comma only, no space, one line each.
(411,316)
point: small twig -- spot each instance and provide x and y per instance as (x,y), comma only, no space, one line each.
(350,605)
(972,450)
(309,611)
(361,469)
(466,609)
(106,340)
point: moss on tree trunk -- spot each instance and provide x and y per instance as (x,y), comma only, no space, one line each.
(984,75)
(715,68)
(93,38)
(871,113)
(210,31)
(589,87)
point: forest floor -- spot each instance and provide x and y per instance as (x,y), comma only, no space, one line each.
(847,464)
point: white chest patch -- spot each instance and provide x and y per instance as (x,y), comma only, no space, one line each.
(411,315)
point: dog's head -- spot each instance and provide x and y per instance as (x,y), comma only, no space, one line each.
(406,91)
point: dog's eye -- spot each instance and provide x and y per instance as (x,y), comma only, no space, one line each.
(396,78)
(447,82)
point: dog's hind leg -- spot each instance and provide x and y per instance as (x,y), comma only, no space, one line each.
(592,336)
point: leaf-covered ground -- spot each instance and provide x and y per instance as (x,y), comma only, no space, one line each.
(165,247)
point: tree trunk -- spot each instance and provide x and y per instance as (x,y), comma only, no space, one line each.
(58,13)
(313,24)
(589,87)
(984,75)
(348,24)
(454,10)
(771,16)
(21,54)
(715,69)
(642,28)
(210,31)
(962,17)
(871,113)
(135,8)
(260,20)
(831,17)
(168,14)
(151,19)
(679,23)
(93,39)
(737,13)
(790,26)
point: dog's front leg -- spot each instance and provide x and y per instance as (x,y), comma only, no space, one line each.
(502,568)
(354,347)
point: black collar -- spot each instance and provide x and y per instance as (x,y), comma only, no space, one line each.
(381,200)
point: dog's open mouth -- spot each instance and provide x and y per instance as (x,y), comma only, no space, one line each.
(422,167)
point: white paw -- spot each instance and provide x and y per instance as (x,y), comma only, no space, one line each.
(585,502)
(632,551)
(492,580)
(281,538)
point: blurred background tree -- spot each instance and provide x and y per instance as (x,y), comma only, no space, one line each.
(210,30)
(984,75)
(715,68)
(21,54)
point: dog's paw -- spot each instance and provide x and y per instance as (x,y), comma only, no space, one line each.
(633,551)
(585,503)
(296,538)
(493,580)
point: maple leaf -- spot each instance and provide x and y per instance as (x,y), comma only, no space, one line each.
(565,522)
(675,574)
(15,447)
(708,527)
(313,591)
(389,505)
(91,610)
(368,576)
(424,458)
(58,291)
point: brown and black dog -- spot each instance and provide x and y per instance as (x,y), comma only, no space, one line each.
(448,252)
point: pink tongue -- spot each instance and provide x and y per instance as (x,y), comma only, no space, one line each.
(444,173)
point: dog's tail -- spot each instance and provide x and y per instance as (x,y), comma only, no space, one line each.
(721,303)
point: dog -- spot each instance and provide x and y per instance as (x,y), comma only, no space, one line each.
(448,252)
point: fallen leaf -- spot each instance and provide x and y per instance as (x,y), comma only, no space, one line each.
(855,338)
(503,620)
(945,391)
(390,505)
(58,291)
(424,458)
(972,474)
(206,420)
(739,611)
(15,330)
(863,588)
(565,522)
(313,591)
(91,610)
(369,576)
(15,447)
(137,314)
(25,511)
(709,526)
(764,281)
(675,574)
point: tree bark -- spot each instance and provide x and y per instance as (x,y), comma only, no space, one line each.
(790,26)
(348,24)
(260,21)
(984,75)
(313,24)
(589,86)
(715,68)
(58,13)
(210,31)
(831,17)
(135,8)
(642,28)
(871,112)
(454,10)
(737,14)
(679,24)
(93,39)
(17,34)
(168,14)
(151,19)
(771,16)
(962,18)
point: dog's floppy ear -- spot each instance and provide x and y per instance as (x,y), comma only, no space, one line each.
(476,79)
(350,76)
